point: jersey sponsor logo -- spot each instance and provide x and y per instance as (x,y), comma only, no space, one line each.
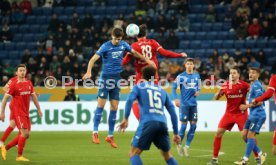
(156,111)
(234,96)
(25,93)
(116,54)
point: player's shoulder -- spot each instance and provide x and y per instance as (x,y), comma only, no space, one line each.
(273,77)
(243,83)
(13,78)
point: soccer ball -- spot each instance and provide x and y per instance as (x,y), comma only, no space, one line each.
(132,30)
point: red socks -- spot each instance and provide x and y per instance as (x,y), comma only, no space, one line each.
(217,144)
(13,142)
(21,144)
(136,111)
(6,134)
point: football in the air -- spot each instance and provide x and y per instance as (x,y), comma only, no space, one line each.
(132,30)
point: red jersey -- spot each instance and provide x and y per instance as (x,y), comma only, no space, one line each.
(12,80)
(235,95)
(270,90)
(20,92)
(148,48)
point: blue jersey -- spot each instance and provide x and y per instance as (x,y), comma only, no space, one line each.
(256,90)
(112,56)
(189,84)
(151,99)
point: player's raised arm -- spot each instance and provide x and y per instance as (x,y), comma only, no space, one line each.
(219,94)
(126,59)
(90,66)
(141,57)
(3,106)
(131,98)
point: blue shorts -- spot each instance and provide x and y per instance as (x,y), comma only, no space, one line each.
(153,131)
(108,86)
(255,121)
(188,113)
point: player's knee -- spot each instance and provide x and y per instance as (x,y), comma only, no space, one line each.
(274,149)
(193,127)
(114,107)
(134,151)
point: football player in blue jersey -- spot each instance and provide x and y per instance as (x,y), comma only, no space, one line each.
(255,119)
(152,128)
(189,84)
(111,53)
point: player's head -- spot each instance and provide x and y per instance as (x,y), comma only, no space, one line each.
(117,35)
(149,73)
(142,31)
(254,73)
(21,70)
(234,74)
(189,64)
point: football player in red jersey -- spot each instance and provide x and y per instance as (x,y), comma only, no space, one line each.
(268,94)
(21,90)
(149,49)
(12,121)
(235,91)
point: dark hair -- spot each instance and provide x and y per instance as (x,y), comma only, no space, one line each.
(258,70)
(142,31)
(19,66)
(149,72)
(117,32)
(237,69)
(189,60)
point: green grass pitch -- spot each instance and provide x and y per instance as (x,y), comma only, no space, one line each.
(76,148)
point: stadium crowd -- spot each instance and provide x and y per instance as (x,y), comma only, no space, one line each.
(67,47)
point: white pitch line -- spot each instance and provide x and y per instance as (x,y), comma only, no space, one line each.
(220,153)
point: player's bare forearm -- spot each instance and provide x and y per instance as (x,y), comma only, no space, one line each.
(35,100)
(219,94)
(90,66)
(5,88)
(3,106)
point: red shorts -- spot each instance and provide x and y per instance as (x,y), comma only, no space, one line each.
(23,122)
(274,137)
(229,120)
(139,76)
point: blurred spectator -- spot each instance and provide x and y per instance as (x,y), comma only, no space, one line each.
(71,95)
(151,4)
(215,56)
(54,65)
(161,38)
(40,2)
(25,6)
(198,65)
(173,23)
(260,56)
(141,6)
(173,7)
(66,65)
(76,70)
(99,2)
(5,80)
(49,3)
(5,7)
(140,20)
(87,22)
(49,44)
(43,66)
(5,34)
(241,31)
(161,7)
(161,23)
(254,29)
(8,70)
(243,8)
(32,66)
(76,21)
(150,24)
(254,63)
(231,63)
(211,14)
(128,71)
(17,17)
(183,8)
(266,30)
(54,23)
(172,42)
(183,24)
(26,56)
(255,10)
(237,20)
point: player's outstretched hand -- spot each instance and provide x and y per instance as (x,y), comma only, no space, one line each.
(243,107)
(176,139)
(177,103)
(123,125)
(184,54)
(254,102)
(40,113)
(197,94)
(2,117)
(87,76)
